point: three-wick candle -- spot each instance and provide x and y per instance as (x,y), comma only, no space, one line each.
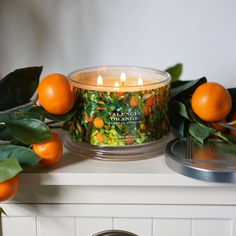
(119,106)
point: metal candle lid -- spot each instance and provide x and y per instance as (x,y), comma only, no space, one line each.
(214,162)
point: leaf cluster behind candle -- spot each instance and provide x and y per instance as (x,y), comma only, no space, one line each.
(185,122)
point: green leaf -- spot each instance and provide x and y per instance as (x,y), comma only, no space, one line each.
(7,117)
(187,88)
(200,132)
(195,118)
(9,168)
(177,83)
(29,130)
(5,135)
(18,87)
(39,110)
(225,137)
(175,71)
(2,212)
(232,92)
(179,108)
(25,156)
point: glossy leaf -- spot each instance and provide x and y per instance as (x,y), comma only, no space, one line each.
(25,156)
(177,83)
(232,92)
(187,88)
(175,71)
(177,123)
(29,130)
(18,87)
(9,168)
(200,132)
(5,135)
(177,107)
(7,117)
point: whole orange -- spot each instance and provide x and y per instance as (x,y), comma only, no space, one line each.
(9,188)
(55,94)
(50,151)
(211,102)
(98,123)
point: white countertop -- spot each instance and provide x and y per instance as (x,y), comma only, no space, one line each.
(90,172)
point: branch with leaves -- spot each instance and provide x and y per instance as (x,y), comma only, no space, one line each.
(183,119)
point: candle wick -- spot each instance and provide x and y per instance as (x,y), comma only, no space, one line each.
(123,78)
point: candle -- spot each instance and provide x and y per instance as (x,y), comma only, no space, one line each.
(120,106)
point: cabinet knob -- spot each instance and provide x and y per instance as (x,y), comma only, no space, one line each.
(114,233)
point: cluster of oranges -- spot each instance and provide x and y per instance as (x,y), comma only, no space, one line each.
(55,96)
(212,103)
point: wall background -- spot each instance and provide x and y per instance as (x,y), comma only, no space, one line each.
(64,35)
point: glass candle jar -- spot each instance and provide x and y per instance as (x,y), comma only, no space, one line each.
(120,105)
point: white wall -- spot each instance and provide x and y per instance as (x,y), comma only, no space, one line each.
(64,35)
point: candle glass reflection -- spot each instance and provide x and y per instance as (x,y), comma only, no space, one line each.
(120,106)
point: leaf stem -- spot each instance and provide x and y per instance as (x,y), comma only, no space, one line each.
(52,122)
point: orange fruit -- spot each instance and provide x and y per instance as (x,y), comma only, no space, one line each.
(100,137)
(50,151)
(233,118)
(98,123)
(55,94)
(150,101)
(133,102)
(9,188)
(211,102)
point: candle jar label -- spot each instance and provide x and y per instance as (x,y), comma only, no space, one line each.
(120,118)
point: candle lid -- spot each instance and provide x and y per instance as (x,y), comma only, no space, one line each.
(214,162)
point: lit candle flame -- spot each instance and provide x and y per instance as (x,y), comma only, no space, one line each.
(140,81)
(116,85)
(123,78)
(99,80)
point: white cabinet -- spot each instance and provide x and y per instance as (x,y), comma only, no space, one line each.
(83,197)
